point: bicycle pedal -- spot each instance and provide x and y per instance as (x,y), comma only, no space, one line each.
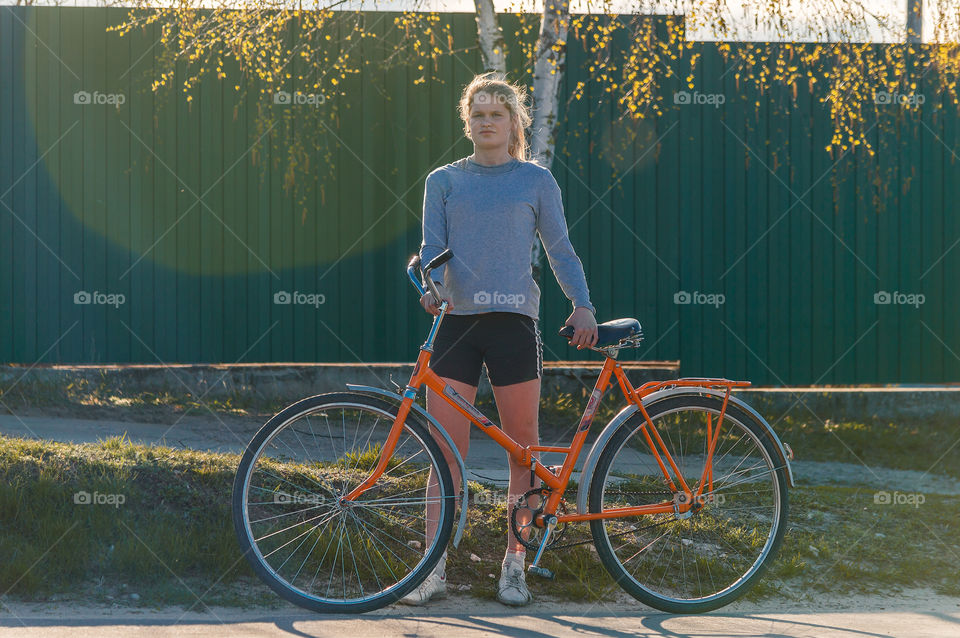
(542,572)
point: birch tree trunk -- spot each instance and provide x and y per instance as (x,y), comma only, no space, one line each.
(914,21)
(490,37)
(547,72)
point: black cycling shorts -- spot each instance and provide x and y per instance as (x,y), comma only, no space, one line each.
(508,343)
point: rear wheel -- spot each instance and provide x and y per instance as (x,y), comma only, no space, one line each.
(318,552)
(701,560)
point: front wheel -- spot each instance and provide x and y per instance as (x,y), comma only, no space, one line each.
(326,555)
(689,562)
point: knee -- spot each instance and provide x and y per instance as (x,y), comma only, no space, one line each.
(526,431)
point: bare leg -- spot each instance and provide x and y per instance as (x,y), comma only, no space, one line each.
(519,407)
(458,426)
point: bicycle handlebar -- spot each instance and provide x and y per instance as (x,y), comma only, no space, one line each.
(439,260)
(411,273)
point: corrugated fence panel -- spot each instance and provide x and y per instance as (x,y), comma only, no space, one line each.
(137,226)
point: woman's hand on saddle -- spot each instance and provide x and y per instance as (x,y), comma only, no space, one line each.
(431,305)
(584,326)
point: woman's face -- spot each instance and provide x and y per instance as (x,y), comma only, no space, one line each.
(490,124)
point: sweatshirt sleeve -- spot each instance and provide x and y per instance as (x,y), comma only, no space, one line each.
(552,228)
(434,225)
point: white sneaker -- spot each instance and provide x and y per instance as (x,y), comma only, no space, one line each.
(435,586)
(513,584)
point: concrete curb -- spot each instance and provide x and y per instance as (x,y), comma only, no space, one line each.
(889,403)
(292,381)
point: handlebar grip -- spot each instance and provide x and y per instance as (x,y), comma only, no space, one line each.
(439,260)
(433,290)
(567,331)
(422,280)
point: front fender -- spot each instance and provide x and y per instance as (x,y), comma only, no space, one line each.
(465,490)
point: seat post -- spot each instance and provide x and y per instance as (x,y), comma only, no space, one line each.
(611,352)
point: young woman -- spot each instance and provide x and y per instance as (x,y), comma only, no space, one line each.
(488,208)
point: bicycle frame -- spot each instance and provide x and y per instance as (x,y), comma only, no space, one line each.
(423,375)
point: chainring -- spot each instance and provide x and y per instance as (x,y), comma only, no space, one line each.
(523,514)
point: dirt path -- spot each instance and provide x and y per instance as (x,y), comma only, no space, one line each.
(486,461)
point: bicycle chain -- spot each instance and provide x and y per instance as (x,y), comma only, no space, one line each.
(629,531)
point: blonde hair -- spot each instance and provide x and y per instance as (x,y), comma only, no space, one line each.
(514,96)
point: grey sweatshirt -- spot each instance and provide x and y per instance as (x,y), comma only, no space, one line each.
(489,217)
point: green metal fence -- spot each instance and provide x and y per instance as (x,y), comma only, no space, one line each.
(171,218)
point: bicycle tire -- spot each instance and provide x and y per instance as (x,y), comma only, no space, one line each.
(702,545)
(365,525)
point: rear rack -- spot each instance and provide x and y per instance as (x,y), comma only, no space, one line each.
(690,382)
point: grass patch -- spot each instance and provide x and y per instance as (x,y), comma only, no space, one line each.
(66,530)
(909,445)
(837,541)
(113,519)
(841,536)
(84,397)
(367,459)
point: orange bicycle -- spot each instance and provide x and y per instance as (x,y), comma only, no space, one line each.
(685,489)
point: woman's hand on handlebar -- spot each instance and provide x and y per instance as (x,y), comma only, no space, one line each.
(430,305)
